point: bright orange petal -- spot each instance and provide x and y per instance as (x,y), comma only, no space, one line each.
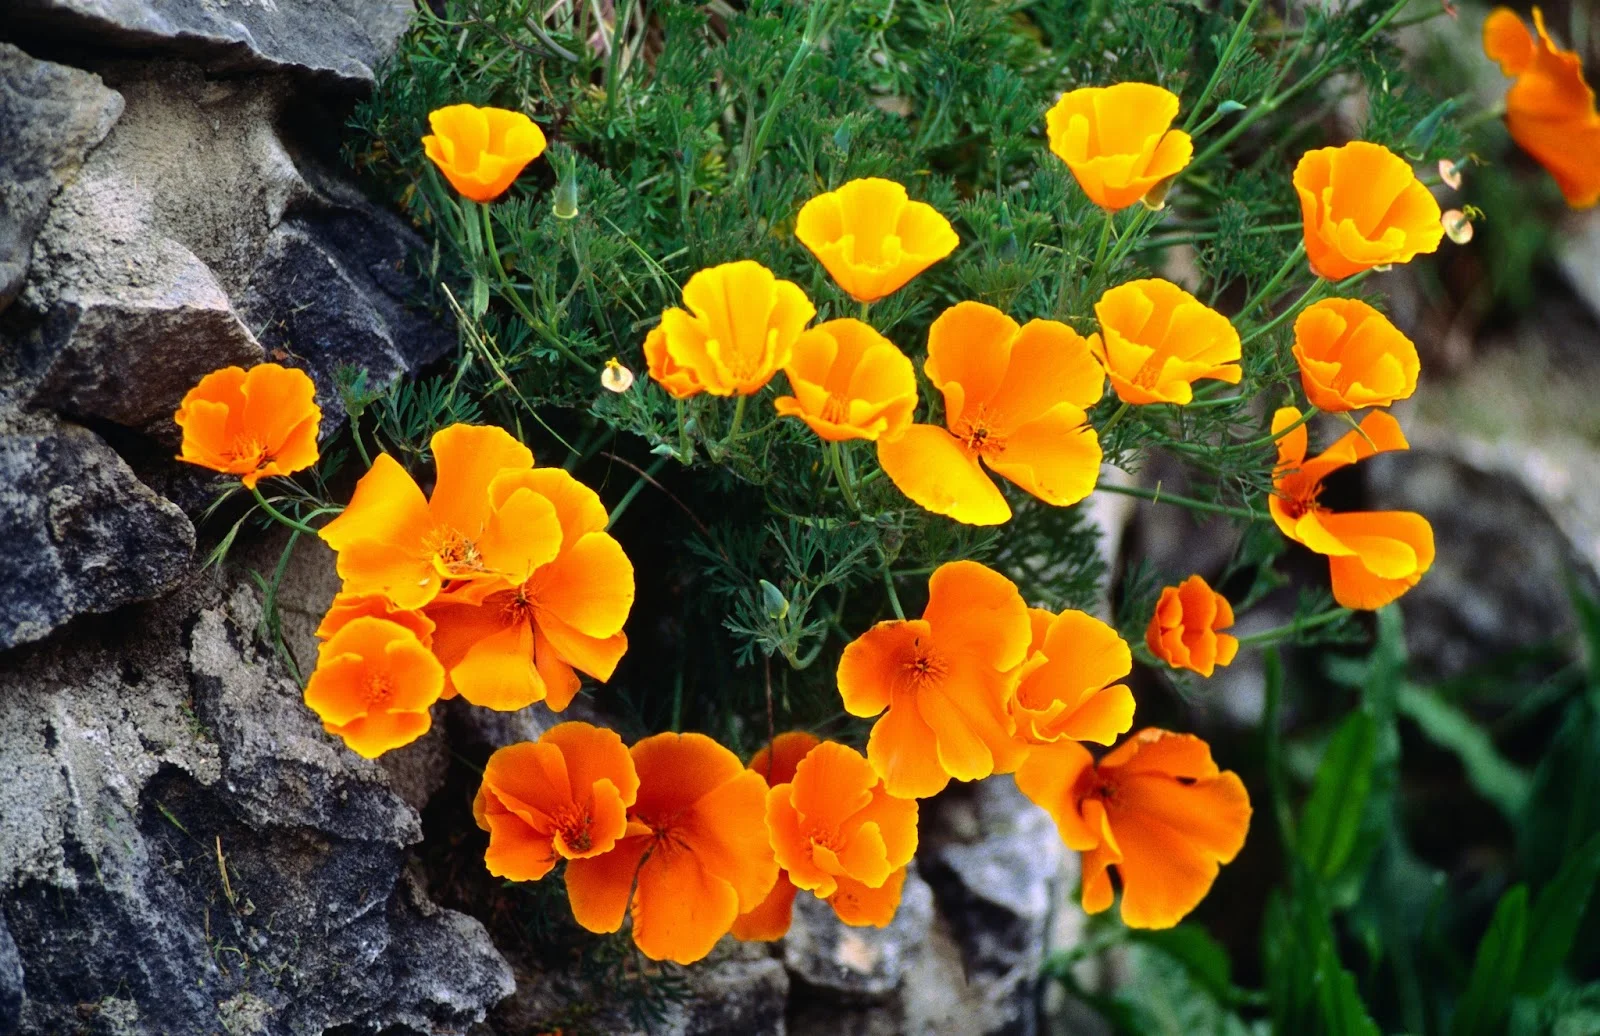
(599,888)
(930,466)
(861,905)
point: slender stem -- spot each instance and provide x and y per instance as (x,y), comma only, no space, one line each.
(683,434)
(1318,286)
(1105,239)
(1222,63)
(780,96)
(516,300)
(1271,286)
(894,598)
(361,447)
(738,419)
(1293,629)
(648,476)
(1157,496)
(1129,234)
(866,307)
(279,516)
(1267,440)
(1116,415)
(841,478)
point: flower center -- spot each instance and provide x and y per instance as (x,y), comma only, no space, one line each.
(836,409)
(1150,371)
(516,606)
(379,692)
(246,449)
(827,837)
(923,667)
(573,823)
(456,554)
(981,439)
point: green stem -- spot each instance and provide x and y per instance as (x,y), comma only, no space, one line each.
(1317,287)
(516,299)
(1116,416)
(279,516)
(1157,496)
(894,598)
(1105,239)
(841,478)
(1222,63)
(1265,294)
(780,96)
(1293,629)
(1267,440)
(684,448)
(866,307)
(645,477)
(738,419)
(361,447)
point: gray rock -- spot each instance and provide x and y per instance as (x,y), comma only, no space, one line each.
(50,116)
(339,39)
(10,981)
(857,964)
(81,533)
(745,994)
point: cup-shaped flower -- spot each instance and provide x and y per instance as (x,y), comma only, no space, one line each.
(1550,109)
(346,607)
(1118,140)
(1363,206)
(1015,398)
(849,382)
(373,686)
(1156,340)
(1156,808)
(481,150)
(776,764)
(839,834)
(695,857)
(565,796)
(946,681)
(1351,357)
(556,612)
(254,424)
(1068,687)
(393,541)
(872,238)
(1183,632)
(739,329)
(1373,556)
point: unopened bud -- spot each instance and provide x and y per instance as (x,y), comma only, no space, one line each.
(614,377)
(774,601)
(565,204)
(1457,226)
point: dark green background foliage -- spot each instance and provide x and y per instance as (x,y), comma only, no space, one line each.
(695,143)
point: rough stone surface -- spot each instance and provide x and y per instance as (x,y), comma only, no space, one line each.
(10,981)
(50,116)
(342,39)
(81,533)
(857,964)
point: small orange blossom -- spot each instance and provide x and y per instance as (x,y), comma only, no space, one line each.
(1550,109)
(254,424)
(1118,140)
(1363,206)
(849,382)
(1156,340)
(872,238)
(1351,357)
(481,150)
(373,686)
(1183,632)
(1068,686)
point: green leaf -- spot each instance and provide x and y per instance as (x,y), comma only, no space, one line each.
(1333,814)
(1557,912)
(1494,777)
(1308,990)
(1202,957)
(1487,999)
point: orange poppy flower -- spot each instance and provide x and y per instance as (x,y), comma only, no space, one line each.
(695,857)
(1550,109)
(1374,556)
(946,680)
(557,612)
(1014,398)
(1068,686)
(254,424)
(1183,630)
(849,382)
(1363,206)
(1156,340)
(776,764)
(839,834)
(1155,808)
(354,606)
(1118,140)
(392,541)
(739,329)
(373,685)
(1351,357)
(565,796)
(872,238)
(481,150)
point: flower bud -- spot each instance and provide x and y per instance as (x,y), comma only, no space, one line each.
(565,203)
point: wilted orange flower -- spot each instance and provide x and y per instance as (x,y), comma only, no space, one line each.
(1363,206)
(254,424)
(373,685)
(1014,398)
(1118,140)
(739,329)
(481,150)
(772,916)
(1351,357)
(391,541)
(564,796)
(354,606)
(838,833)
(1183,631)
(946,680)
(696,854)
(1069,683)
(1550,109)
(1374,556)
(1155,808)
(1156,340)
(849,382)
(872,238)
(557,611)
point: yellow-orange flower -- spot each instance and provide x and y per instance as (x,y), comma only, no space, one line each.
(1069,683)
(373,686)
(1156,808)
(739,329)
(565,796)
(392,541)
(872,238)
(481,150)
(1351,357)
(1550,109)
(555,612)
(1014,398)
(1373,556)
(1183,631)
(946,680)
(376,606)
(838,833)
(1118,140)
(1156,340)
(849,382)
(254,424)
(776,764)
(695,857)
(1363,206)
